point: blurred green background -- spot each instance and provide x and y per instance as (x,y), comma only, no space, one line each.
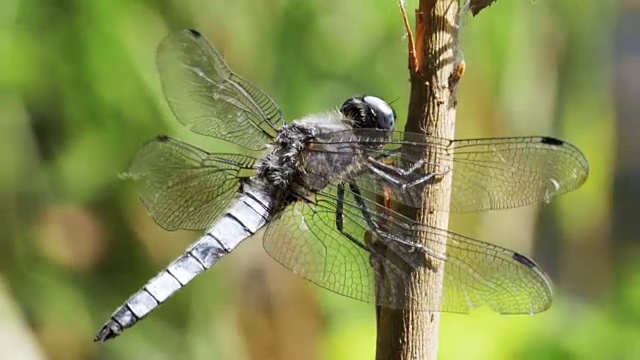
(79,94)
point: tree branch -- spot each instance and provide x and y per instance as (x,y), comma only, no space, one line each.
(435,71)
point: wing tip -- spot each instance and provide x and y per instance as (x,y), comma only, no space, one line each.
(163,138)
(525,261)
(195,33)
(552,141)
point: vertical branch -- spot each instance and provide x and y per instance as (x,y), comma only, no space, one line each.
(435,71)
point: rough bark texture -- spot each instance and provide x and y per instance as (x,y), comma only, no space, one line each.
(435,70)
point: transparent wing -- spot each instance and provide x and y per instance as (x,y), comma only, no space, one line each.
(303,238)
(208,98)
(184,187)
(505,173)
(488,174)
(306,239)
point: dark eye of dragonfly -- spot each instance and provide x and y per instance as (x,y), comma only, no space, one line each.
(369,112)
(383,112)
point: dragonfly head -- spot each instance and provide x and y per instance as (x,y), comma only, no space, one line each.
(369,112)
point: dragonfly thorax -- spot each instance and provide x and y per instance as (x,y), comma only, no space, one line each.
(281,166)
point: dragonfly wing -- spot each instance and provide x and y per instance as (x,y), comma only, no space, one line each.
(185,187)
(209,98)
(488,174)
(306,239)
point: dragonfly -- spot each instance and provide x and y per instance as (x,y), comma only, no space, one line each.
(308,191)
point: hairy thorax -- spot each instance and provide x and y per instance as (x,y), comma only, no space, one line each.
(304,159)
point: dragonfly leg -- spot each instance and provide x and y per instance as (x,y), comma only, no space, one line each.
(377,249)
(395,169)
(424,179)
(388,177)
(405,172)
(340,218)
(373,250)
(375,228)
(383,170)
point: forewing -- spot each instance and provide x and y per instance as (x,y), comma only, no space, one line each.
(488,174)
(208,98)
(184,187)
(502,173)
(305,240)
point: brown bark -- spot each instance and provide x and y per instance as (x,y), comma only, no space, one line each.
(435,70)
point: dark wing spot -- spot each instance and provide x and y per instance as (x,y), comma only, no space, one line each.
(552,141)
(163,138)
(524,260)
(195,33)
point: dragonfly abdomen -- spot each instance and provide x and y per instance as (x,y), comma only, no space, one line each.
(250,213)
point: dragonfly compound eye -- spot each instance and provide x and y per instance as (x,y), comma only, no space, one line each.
(384,114)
